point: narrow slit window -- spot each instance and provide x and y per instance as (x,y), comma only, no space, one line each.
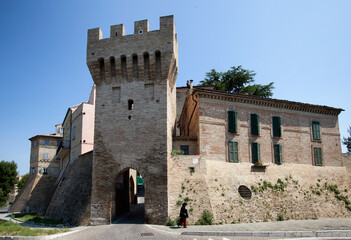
(130,104)
(158,64)
(135,66)
(146,66)
(113,66)
(102,69)
(277,128)
(124,66)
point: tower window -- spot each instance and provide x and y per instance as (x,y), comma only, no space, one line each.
(124,66)
(146,66)
(158,64)
(113,66)
(135,66)
(130,104)
(102,68)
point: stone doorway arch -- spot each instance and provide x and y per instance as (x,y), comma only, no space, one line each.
(128,197)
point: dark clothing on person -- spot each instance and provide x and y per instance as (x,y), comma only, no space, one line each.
(183,215)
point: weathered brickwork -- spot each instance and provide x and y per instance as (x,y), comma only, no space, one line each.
(135,113)
(71,200)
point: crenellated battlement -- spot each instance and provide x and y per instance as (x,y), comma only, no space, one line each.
(140,27)
(144,55)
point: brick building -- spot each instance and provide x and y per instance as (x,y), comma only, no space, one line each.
(232,144)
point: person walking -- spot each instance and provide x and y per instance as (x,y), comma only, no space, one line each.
(183,215)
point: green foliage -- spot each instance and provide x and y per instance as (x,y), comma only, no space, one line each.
(34,217)
(347,140)
(14,229)
(176,152)
(280,217)
(206,218)
(8,173)
(22,181)
(237,80)
(170,222)
(179,202)
(187,199)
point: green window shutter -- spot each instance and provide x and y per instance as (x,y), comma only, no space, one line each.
(233,151)
(316,132)
(277,129)
(256,152)
(255,124)
(318,159)
(232,122)
(236,152)
(278,156)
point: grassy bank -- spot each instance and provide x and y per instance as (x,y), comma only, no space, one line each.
(14,229)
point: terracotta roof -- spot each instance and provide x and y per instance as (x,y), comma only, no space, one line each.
(268,102)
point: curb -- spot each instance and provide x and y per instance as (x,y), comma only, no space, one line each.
(326,233)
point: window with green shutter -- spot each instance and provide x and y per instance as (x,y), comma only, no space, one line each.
(232,122)
(277,129)
(256,153)
(318,158)
(233,151)
(316,130)
(255,124)
(278,158)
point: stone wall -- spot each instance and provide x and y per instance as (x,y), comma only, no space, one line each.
(71,200)
(292,191)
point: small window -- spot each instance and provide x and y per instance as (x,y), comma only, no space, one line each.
(233,152)
(278,154)
(35,143)
(130,104)
(32,171)
(232,122)
(45,156)
(277,129)
(60,130)
(255,124)
(318,158)
(185,149)
(73,133)
(255,152)
(47,142)
(245,192)
(34,157)
(316,132)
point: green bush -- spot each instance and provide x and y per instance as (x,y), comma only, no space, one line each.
(280,217)
(170,222)
(206,218)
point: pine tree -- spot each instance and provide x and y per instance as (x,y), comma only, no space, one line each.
(347,141)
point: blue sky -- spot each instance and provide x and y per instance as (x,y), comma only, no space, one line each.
(304,47)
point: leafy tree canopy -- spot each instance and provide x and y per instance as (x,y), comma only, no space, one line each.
(8,173)
(237,80)
(347,141)
(22,181)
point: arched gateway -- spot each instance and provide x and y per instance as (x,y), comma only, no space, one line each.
(134,116)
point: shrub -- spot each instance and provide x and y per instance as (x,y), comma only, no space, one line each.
(179,202)
(280,217)
(170,222)
(206,218)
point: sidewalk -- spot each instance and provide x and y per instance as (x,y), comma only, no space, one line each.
(327,227)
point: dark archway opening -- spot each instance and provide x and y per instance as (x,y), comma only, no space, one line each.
(129,198)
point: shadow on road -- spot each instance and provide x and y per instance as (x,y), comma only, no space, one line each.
(134,216)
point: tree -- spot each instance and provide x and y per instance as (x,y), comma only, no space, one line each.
(22,181)
(237,80)
(8,173)
(347,141)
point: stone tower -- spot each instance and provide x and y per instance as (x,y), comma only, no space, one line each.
(135,77)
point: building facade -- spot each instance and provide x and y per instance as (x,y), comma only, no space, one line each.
(241,157)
